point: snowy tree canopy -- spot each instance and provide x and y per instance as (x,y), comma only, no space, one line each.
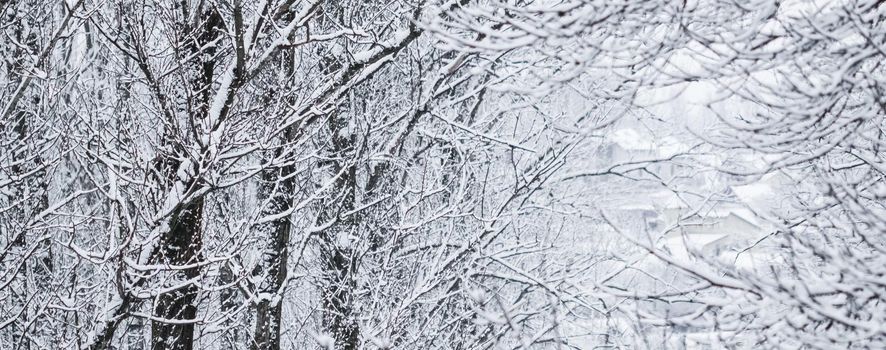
(461,174)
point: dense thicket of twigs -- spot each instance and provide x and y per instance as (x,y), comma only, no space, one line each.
(351,174)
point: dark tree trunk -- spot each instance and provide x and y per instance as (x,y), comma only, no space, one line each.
(180,246)
(182,243)
(338,259)
(274,260)
(278,185)
(340,316)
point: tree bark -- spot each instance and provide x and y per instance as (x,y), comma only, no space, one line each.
(181,245)
(274,260)
(336,254)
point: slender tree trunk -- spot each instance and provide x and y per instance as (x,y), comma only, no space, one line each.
(336,252)
(278,186)
(274,260)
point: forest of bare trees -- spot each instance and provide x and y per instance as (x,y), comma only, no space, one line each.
(442,174)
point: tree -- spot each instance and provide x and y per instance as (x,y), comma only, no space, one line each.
(352,174)
(219,159)
(808,79)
